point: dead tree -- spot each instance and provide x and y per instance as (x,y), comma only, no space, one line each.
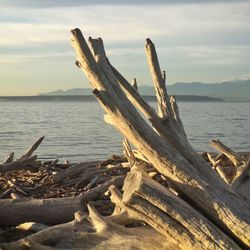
(165,145)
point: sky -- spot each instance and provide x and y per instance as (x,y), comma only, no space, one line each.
(196,40)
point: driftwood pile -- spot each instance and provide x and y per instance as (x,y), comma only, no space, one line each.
(165,195)
(44,181)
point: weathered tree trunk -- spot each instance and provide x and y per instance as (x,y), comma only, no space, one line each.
(170,215)
(169,152)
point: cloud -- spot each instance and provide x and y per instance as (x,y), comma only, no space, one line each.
(67,3)
(205,40)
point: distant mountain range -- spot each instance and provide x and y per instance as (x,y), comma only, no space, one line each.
(237,90)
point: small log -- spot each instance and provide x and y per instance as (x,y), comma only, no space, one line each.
(134,84)
(75,169)
(92,183)
(120,215)
(215,164)
(9,158)
(33,148)
(233,156)
(19,164)
(50,211)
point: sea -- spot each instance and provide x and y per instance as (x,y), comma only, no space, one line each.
(74,130)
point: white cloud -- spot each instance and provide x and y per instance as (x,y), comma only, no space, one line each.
(211,37)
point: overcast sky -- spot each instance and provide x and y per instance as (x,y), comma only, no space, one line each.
(206,41)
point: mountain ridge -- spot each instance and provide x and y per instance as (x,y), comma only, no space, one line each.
(236,90)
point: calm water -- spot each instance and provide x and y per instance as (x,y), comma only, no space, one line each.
(76,131)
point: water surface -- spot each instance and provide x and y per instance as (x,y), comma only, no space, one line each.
(75,130)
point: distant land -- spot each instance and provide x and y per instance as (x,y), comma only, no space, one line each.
(82,98)
(235,90)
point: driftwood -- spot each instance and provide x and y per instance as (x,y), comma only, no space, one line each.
(170,215)
(166,147)
(89,232)
(26,161)
(168,186)
(50,211)
(240,181)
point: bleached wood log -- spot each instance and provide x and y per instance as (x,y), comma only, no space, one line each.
(81,234)
(47,211)
(170,215)
(33,148)
(213,197)
(167,129)
(159,82)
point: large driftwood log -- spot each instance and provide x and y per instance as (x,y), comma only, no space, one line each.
(171,156)
(91,232)
(170,215)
